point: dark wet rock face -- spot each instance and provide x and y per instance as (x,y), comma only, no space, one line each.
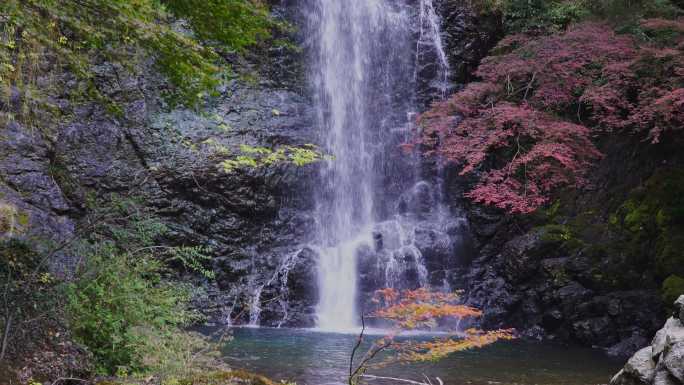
(466,38)
(469,37)
(523,278)
(542,291)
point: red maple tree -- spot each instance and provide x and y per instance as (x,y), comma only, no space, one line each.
(525,130)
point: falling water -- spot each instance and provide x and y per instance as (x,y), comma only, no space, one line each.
(280,276)
(431,36)
(363,61)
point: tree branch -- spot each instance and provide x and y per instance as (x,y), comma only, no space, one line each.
(356,347)
(5,335)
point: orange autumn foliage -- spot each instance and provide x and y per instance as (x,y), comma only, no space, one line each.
(423,309)
(419,309)
(440,348)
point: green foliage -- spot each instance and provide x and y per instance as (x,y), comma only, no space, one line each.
(27,294)
(18,259)
(533,15)
(56,36)
(303,156)
(673,287)
(261,156)
(133,228)
(627,11)
(235,23)
(120,304)
(526,15)
(562,14)
(123,305)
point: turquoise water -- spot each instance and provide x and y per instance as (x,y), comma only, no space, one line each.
(314,358)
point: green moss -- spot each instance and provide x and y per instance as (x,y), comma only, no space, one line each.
(12,220)
(23,219)
(561,234)
(261,156)
(673,287)
(652,217)
(7,218)
(62,176)
(670,252)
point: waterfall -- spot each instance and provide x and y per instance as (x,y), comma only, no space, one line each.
(363,60)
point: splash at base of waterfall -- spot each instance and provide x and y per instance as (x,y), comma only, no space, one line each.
(337,282)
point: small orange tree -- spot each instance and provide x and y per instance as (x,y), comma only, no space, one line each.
(419,309)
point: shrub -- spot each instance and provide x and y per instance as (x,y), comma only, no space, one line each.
(120,304)
(124,306)
(27,292)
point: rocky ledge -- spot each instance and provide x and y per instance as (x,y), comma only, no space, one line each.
(661,363)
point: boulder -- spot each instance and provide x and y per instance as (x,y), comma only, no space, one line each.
(679,308)
(672,332)
(674,361)
(640,369)
(663,377)
(627,347)
(661,363)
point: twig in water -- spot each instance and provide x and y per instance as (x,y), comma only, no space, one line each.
(372,377)
(69,379)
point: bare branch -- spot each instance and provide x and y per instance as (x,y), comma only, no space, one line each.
(372,377)
(356,347)
(5,336)
(62,379)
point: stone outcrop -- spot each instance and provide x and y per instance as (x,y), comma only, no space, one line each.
(662,362)
(546,292)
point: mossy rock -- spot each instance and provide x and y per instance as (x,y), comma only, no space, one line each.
(557,235)
(670,253)
(13,221)
(653,217)
(673,287)
(232,377)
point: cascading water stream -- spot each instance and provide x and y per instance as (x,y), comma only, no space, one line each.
(431,35)
(364,67)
